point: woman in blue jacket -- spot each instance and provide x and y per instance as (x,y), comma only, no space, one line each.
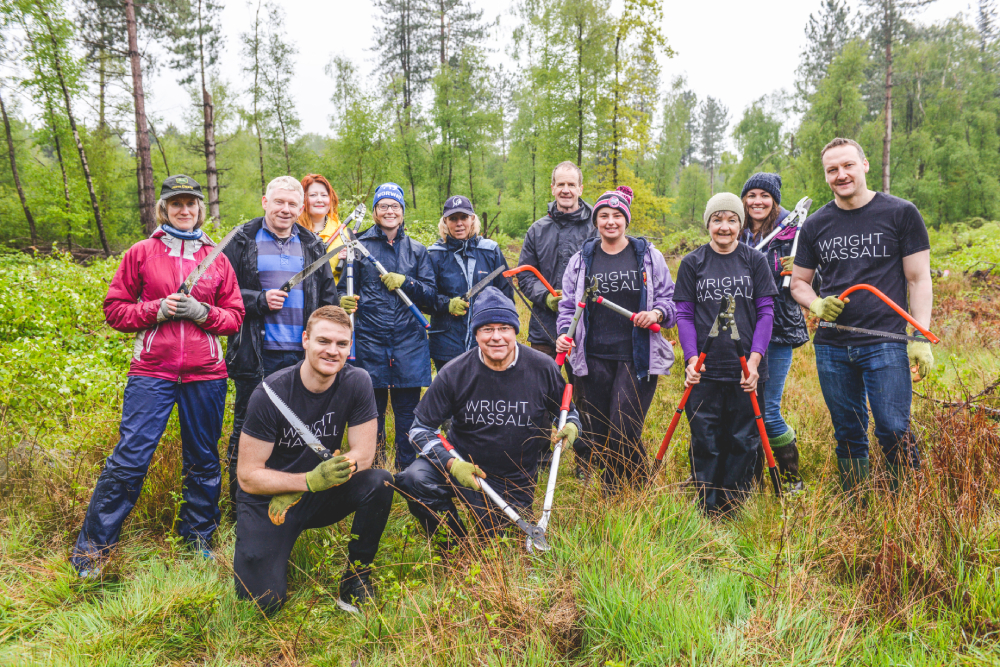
(460,260)
(389,342)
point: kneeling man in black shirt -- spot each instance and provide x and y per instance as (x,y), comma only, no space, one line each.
(502,399)
(286,488)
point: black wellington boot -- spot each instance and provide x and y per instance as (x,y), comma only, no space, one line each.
(787,458)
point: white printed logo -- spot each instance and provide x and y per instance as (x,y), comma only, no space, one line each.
(457,201)
(614,202)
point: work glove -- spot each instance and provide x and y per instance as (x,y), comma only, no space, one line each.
(329,473)
(465,473)
(921,356)
(553,301)
(787,263)
(280,504)
(569,431)
(191,309)
(826,309)
(349,303)
(163,314)
(458,307)
(393,281)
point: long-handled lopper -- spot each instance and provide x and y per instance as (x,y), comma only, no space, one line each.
(536,535)
(353,240)
(793,219)
(654,327)
(550,488)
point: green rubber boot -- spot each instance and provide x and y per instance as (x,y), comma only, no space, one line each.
(853,473)
(898,475)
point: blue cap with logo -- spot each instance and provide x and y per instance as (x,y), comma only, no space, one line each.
(457,204)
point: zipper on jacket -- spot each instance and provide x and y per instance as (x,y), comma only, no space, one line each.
(180,266)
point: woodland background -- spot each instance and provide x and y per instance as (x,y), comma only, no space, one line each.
(582,82)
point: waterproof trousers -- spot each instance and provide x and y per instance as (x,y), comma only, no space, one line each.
(146,407)
(855,377)
(260,563)
(404,404)
(274,361)
(430,491)
(726,453)
(616,407)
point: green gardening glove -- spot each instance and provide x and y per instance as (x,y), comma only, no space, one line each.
(827,309)
(465,473)
(393,281)
(458,307)
(329,473)
(921,357)
(787,263)
(280,504)
(570,432)
(553,301)
(349,303)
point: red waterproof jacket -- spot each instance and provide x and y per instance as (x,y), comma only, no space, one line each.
(176,350)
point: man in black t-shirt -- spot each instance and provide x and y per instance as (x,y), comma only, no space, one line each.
(286,488)
(865,237)
(502,399)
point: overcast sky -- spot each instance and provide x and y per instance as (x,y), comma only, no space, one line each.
(706,36)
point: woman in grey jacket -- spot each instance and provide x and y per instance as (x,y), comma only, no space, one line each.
(618,361)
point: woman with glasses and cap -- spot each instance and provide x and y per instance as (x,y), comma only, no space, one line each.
(176,359)
(460,260)
(389,342)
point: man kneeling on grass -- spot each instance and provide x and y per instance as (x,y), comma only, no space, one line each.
(501,398)
(286,488)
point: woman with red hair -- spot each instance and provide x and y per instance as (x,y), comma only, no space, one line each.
(319,214)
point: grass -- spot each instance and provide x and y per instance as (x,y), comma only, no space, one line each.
(646,580)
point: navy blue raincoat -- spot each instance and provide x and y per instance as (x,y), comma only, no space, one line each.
(458,266)
(389,342)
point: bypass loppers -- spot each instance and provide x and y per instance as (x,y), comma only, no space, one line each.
(359,212)
(654,327)
(725,320)
(351,240)
(550,488)
(536,535)
(793,219)
(580,306)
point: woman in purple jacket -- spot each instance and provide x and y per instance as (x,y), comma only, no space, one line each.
(616,360)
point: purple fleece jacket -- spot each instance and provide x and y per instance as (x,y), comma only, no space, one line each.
(761,334)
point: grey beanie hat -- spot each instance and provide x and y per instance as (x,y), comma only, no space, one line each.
(724,201)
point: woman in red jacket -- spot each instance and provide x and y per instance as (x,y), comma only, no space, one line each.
(177,359)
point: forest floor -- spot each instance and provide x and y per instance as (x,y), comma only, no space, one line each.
(642,580)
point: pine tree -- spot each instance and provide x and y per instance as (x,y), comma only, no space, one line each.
(826,33)
(713,121)
(278,71)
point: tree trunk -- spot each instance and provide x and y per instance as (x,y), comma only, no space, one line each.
(887,139)
(443,54)
(284,139)
(614,122)
(211,170)
(159,146)
(17,179)
(76,135)
(256,95)
(579,94)
(62,168)
(142,149)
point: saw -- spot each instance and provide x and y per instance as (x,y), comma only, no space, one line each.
(202,267)
(871,332)
(304,431)
(481,285)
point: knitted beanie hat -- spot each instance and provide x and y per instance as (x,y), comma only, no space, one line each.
(724,201)
(620,199)
(390,191)
(493,307)
(769,183)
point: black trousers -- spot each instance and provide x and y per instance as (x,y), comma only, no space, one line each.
(582,445)
(429,491)
(725,444)
(616,406)
(274,360)
(404,404)
(260,564)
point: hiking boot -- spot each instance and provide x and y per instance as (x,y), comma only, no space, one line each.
(355,589)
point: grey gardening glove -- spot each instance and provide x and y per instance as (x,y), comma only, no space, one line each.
(191,309)
(163,314)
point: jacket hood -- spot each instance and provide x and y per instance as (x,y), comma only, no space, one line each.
(452,244)
(581,214)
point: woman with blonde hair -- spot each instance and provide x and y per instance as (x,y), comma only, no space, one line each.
(460,260)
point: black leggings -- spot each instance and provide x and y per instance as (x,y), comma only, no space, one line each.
(260,565)
(616,404)
(725,444)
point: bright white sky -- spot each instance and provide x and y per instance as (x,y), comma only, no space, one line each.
(694,30)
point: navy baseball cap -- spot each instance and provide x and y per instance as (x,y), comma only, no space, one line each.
(457,204)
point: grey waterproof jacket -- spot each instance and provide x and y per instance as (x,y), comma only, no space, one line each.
(548,246)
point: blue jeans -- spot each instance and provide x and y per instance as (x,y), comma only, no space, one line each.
(147,405)
(880,372)
(779,360)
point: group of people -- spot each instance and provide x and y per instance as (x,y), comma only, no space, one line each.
(309,439)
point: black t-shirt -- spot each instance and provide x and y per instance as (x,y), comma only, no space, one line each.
(500,420)
(863,245)
(704,278)
(349,400)
(609,335)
